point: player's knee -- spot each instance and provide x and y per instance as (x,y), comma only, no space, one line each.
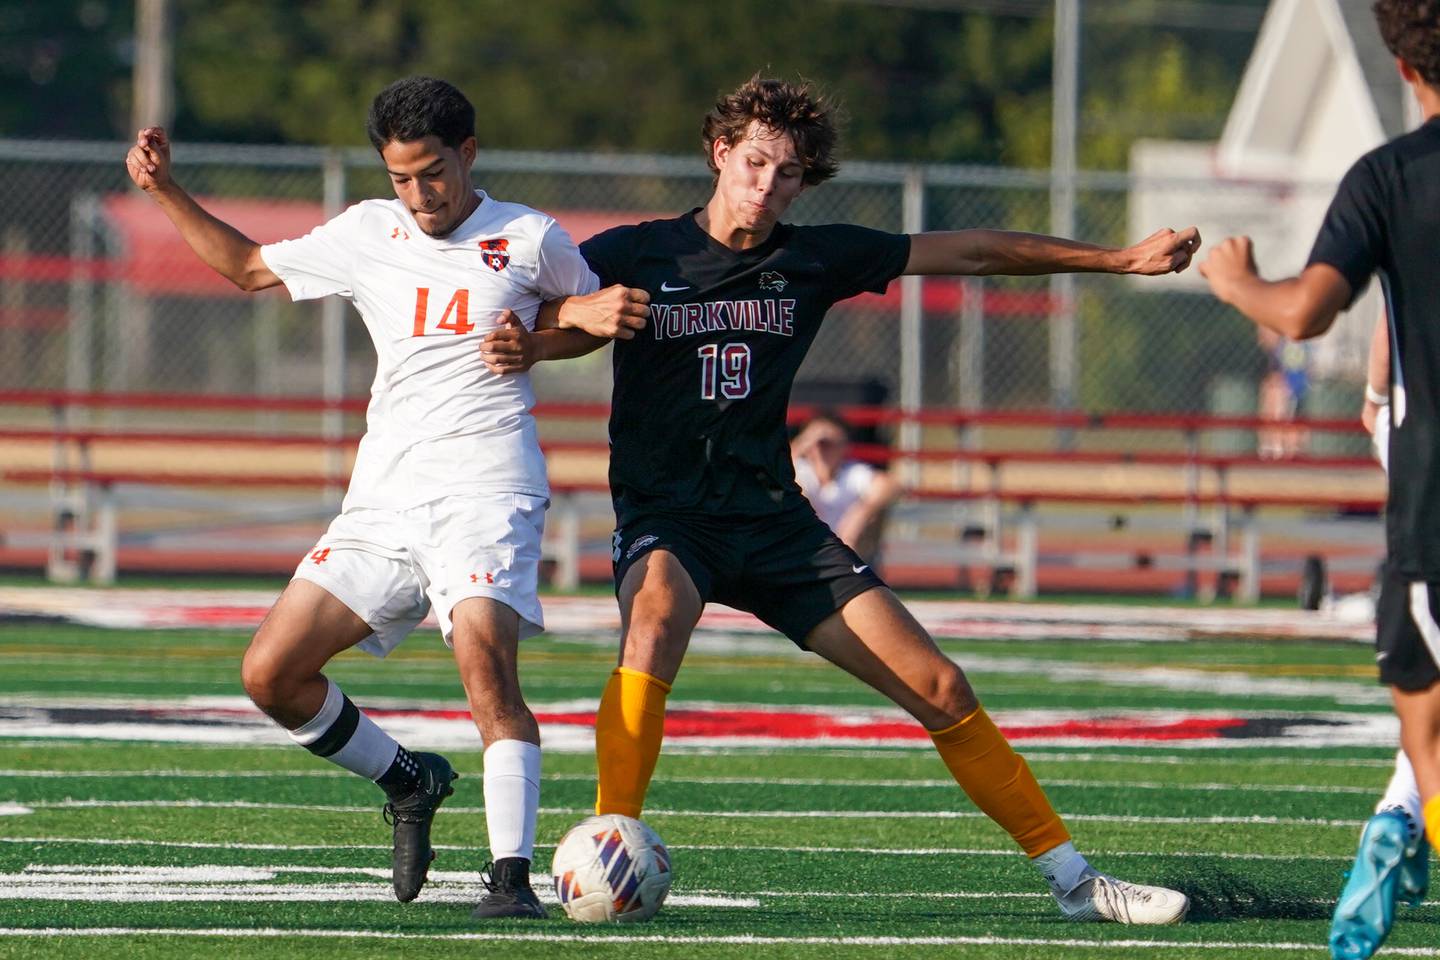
(949,692)
(264,683)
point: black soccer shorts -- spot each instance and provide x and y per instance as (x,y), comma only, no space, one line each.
(1407,634)
(788,569)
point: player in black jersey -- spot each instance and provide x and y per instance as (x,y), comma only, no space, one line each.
(707,508)
(1385,220)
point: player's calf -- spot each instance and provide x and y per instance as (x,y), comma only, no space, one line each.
(415,784)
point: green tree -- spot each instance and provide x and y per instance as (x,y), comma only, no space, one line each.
(64,68)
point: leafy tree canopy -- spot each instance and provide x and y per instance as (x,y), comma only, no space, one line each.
(921,83)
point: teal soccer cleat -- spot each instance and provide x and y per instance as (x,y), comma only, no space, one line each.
(1366,910)
(1415,873)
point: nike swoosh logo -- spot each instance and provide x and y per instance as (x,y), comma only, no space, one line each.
(666,288)
(860,569)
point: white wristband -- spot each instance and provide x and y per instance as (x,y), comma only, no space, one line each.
(1375,396)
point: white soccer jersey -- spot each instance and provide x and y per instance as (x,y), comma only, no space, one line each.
(439,423)
(832,500)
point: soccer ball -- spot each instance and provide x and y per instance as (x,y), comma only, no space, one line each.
(611,869)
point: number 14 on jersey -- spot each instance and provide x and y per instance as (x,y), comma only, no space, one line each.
(455,319)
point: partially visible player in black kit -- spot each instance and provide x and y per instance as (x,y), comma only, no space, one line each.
(707,508)
(1385,220)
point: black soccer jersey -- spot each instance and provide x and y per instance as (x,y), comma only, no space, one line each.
(1385,219)
(697,422)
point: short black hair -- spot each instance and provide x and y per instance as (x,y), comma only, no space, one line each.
(418,107)
(1411,30)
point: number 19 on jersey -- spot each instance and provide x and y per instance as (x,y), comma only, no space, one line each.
(724,371)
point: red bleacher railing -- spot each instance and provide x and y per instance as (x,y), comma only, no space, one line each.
(1190,426)
(860,416)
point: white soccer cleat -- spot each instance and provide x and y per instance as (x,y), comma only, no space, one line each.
(1103,898)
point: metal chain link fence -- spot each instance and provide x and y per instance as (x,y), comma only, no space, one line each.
(97,292)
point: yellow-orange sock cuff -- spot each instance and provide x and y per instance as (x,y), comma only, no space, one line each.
(999,782)
(640,679)
(629,728)
(1432,820)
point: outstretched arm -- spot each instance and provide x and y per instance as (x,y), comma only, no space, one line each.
(987,252)
(1298,307)
(224,249)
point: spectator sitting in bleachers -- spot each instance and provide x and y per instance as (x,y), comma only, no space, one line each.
(850,496)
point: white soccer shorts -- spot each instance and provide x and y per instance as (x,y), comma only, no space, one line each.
(391,566)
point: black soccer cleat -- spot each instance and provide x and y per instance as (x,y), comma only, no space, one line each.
(411,817)
(508,894)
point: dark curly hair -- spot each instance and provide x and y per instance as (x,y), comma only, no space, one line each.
(793,109)
(1411,29)
(418,107)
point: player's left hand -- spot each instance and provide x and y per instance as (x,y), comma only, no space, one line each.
(1164,251)
(509,348)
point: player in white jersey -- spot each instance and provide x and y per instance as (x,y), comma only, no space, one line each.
(446,504)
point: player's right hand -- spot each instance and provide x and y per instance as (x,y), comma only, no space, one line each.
(1231,260)
(148,162)
(614,313)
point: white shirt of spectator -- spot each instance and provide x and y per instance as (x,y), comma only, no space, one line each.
(439,423)
(844,490)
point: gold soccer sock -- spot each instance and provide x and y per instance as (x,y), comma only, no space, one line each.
(628,729)
(1432,820)
(1000,783)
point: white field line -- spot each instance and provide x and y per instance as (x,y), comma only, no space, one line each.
(898,752)
(209,883)
(904,752)
(730,814)
(758,848)
(740,940)
(1132,756)
(45,881)
(947,784)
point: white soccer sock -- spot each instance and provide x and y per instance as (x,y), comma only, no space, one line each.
(342,734)
(1063,868)
(1404,793)
(512,797)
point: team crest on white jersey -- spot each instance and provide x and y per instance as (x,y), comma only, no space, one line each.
(771,280)
(495,254)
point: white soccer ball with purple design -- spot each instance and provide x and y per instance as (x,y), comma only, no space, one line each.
(611,869)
